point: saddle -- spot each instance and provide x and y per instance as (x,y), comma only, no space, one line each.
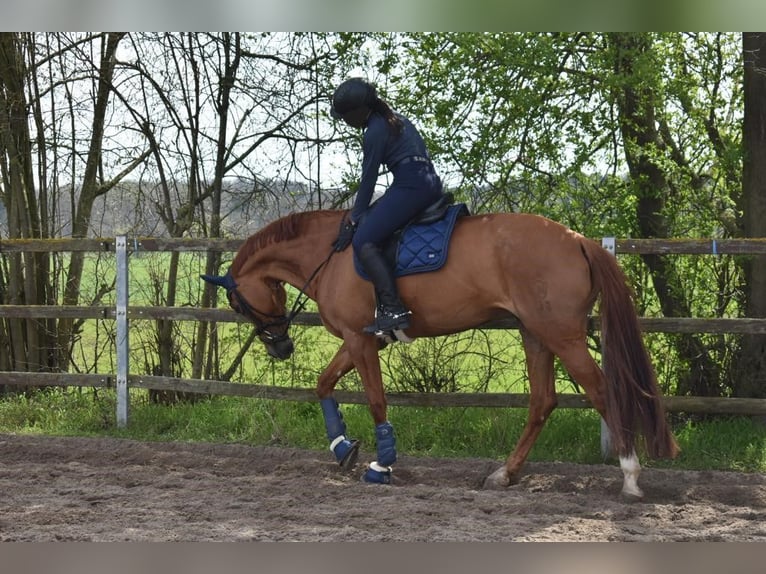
(422,245)
(435,211)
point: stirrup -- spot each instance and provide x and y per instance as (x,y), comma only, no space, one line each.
(387,321)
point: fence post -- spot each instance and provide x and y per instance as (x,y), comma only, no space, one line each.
(609,244)
(121,250)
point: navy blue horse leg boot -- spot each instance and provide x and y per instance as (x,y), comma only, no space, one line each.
(345,450)
(379,471)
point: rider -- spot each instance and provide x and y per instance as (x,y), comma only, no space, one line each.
(390,139)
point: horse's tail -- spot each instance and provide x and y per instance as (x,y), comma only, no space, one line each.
(633,399)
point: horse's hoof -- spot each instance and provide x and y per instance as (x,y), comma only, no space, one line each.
(498,480)
(632,495)
(377,474)
(348,461)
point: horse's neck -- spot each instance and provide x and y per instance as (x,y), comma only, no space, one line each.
(296,260)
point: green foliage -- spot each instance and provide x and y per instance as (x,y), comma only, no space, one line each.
(736,443)
(57,411)
(474,361)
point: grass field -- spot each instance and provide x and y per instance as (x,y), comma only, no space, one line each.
(720,443)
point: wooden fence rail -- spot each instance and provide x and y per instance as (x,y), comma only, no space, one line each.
(745,246)
(649,324)
(699,405)
(738,406)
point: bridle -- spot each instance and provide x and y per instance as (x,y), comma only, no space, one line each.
(263,329)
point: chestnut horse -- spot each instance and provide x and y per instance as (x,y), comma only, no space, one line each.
(499,265)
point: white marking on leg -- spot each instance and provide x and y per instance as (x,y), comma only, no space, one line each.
(631,468)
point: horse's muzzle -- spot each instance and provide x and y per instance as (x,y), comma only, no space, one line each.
(281,349)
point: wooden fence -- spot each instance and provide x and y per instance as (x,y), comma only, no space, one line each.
(125,380)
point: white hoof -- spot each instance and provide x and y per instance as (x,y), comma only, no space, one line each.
(632,494)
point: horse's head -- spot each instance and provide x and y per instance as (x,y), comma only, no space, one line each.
(263,302)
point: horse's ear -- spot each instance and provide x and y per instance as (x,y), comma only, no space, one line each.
(214,279)
(225,281)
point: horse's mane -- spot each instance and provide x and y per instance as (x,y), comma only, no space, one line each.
(282,229)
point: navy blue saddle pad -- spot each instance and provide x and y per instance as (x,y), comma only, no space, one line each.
(423,247)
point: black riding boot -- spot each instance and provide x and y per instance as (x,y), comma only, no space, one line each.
(391,313)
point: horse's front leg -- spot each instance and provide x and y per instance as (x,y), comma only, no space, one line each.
(363,350)
(345,450)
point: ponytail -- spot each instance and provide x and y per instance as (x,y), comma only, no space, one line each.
(393,121)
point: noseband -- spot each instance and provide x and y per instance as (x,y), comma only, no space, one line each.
(262,328)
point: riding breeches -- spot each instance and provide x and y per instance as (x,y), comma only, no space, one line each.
(415,187)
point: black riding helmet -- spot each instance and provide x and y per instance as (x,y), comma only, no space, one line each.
(352,102)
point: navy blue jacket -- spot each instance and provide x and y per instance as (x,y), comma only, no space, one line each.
(381,146)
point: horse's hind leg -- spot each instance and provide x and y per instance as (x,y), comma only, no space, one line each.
(542,401)
(585,371)
(345,450)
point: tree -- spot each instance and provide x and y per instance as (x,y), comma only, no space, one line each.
(219,126)
(749,376)
(613,134)
(94,184)
(222,114)
(23,278)
(655,159)
(40,96)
